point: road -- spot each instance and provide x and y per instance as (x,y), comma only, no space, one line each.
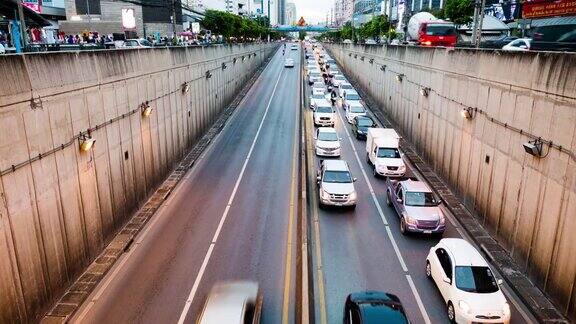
(363,249)
(231,217)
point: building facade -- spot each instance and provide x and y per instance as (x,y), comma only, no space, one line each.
(291,15)
(343,10)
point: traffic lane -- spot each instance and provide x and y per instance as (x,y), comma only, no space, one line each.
(252,243)
(153,282)
(356,252)
(415,247)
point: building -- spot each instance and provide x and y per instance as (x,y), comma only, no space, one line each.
(268,8)
(291,15)
(342,12)
(51,10)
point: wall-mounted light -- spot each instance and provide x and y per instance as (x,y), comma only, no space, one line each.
(399,77)
(425,91)
(243,58)
(146,109)
(234,61)
(355,55)
(223,66)
(371,61)
(349,54)
(86,142)
(383,68)
(467,113)
(208,74)
(185,87)
(362,58)
(534,147)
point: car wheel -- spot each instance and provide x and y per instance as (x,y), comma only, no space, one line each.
(428,270)
(388,202)
(367,158)
(403,226)
(374,172)
(451,313)
(353,207)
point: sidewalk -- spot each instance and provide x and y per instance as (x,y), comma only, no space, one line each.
(536,302)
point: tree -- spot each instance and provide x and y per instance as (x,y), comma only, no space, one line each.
(301,35)
(236,28)
(374,28)
(459,11)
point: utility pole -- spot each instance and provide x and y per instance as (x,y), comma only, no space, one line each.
(269,18)
(22,24)
(477,23)
(173,19)
(353,24)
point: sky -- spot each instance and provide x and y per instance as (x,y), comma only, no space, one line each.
(313,11)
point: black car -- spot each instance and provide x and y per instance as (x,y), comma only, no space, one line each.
(371,307)
(497,43)
(554,38)
(360,126)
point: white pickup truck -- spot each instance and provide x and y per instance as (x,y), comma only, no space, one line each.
(383,154)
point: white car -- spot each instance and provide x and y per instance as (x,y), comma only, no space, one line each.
(355,108)
(335,184)
(468,286)
(324,115)
(318,98)
(137,43)
(518,45)
(289,62)
(232,302)
(327,142)
(294,47)
(343,87)
(350,97)
(339,79)
(318,85)
(2,49)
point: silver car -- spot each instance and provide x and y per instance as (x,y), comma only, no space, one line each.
(236,302)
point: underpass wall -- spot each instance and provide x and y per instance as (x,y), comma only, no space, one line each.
(59,205)
(528,203)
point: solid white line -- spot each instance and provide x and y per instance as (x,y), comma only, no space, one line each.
(383,217)
(200,274)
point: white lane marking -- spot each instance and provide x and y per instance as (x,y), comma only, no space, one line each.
(200,274)
(418,299)
(383,217)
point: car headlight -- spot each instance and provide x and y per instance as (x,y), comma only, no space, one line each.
(324,194)
(464,307)
(442,220)
(353,195)
(506,309)
(409,220)
(402,168)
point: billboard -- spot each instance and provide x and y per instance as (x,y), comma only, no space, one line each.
(541,9)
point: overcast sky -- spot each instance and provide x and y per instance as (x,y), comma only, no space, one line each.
(313,11)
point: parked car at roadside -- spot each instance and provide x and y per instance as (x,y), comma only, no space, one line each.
(416,206)
(470,290)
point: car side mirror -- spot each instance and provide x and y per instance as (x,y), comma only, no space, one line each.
(499,282)
(315,137)
(447,280)
(354,180)
(318,178)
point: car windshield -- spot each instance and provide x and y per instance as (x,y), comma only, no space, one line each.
(145,42)
(475,279)
(346,86)
(365,122)
(327,136)
(357,109)
(422,199)
(440,30)
(317,96)
(337,177)
(393,313)
(352,96)
(391,153)
(323,109)
(339,77)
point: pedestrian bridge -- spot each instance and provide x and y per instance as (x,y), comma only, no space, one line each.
(308,28)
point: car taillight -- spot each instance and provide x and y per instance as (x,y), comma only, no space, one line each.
(427,43)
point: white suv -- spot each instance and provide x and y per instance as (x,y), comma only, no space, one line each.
(324,114)
(468,286)
(355,108)
(327,142)
(335,184)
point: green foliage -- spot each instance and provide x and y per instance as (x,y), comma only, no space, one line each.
(459,11)
(301,35)
(234,26)
(392,34)
(375,28)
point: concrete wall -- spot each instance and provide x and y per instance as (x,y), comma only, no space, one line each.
(528,203)
(57,212)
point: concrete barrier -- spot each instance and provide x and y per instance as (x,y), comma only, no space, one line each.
(59,205)
(528,203)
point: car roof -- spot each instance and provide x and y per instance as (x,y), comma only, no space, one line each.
(335,165)
(227,300)
(463,253)
(326,130)
(351,91)
(419,186)
(323,104)
(377,306)
(356,103)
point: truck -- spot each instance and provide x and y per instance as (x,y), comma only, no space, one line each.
(416,206)
(427,30)
(383,154)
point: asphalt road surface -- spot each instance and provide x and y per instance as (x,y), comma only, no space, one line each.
(229,218)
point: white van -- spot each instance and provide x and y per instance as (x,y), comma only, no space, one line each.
(383,154)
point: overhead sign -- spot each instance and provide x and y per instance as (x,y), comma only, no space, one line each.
(36,6)
(541,9)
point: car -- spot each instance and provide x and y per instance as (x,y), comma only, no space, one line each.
(324,115)
(370,41)
(360,125)
(416,206)
(339,79)
(347,41)
(314,77)
(374,307)
(137,43)
(518,45)
(560,36)
(497,43)
(350,97)
(327,142)
(289,62)
(311,66)
(382,152)
(336,184)
(235,302)
(468,286)
(355,108)
(343,87)
(294,47)
(318,85)
(317,98)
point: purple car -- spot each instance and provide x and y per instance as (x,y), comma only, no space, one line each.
(417,206)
